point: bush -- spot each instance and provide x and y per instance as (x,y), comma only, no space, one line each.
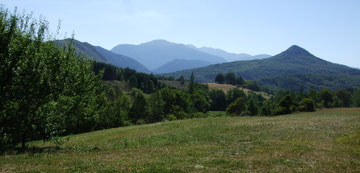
(236,107)
(170,117)
(306,105)
(285,105)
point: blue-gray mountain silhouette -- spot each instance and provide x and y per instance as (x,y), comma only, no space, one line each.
(155,54)
(100,54)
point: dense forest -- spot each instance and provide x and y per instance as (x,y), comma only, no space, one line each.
(49,91)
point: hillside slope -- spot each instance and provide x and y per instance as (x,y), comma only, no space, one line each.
(324,141)
(159,52)
(100,54)
(84,48)
(121,60)
(293,61)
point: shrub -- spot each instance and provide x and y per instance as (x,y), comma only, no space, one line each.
(171,117)
(285,105)
(236,107)
(306,105)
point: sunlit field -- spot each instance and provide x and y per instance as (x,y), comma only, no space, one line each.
(325,141)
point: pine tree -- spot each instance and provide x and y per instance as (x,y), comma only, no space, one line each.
(219,78)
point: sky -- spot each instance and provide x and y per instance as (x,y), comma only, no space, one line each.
(329,29)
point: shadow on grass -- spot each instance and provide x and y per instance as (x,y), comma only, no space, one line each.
(33,150)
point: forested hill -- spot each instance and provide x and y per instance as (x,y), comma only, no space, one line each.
(295,61)
(100,54)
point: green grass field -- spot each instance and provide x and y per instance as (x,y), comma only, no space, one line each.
(324,141)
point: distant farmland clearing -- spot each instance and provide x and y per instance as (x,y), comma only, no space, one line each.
(227,87)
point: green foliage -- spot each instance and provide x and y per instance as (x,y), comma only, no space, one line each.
(156,108)
(218,100)
(234,94)
(230,78)
(175,101)
(133,81)
(201,100)
(252,85)
(191,83)
(237,107)
(332,81)
(306,105)
(219,78)
(344,97)
(171,117)
(139,109)
(285,105)
(313,95)
(252,108)
(182,80)
(43,86)
(113,113)
(145,82)
(327,97)
(266,108)
(356,98)
(240,81)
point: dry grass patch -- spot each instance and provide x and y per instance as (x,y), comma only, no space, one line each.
(227,87)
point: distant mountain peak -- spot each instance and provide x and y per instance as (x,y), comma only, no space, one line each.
(297,50)
(158,42)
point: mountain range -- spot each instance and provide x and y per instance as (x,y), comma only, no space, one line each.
(100,54)
(166,56)
(157,53)
(291,69)
(229,56)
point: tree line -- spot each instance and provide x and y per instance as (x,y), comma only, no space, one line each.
(145,82)
(232,79)
(286,102)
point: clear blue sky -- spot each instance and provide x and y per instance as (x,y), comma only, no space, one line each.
(330,29)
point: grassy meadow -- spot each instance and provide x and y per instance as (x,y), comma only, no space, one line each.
(324,141)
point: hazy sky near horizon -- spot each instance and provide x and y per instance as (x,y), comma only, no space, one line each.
(330,29)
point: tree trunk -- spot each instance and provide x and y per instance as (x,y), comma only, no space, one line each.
(23,142)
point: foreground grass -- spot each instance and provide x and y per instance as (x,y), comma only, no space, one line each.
(325,141)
